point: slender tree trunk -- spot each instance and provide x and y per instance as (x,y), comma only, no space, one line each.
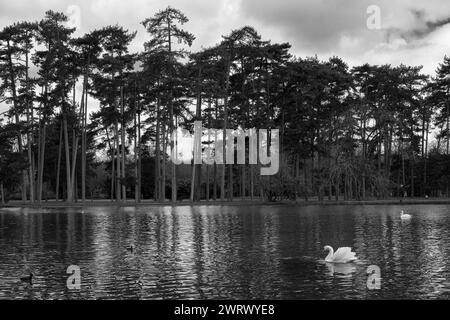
(215,182)
(330,182)
(319,166)
(252,183)
(83,134)
(448,127)
(58,169)
(67,152)
(118,169)
(163,169)
(158,191)
(243,182)
(230,182)
(41,161)
(402,153)
(198,167)
(136,165)
(193,167)
(75,139)
(113,174)
(209,141)
(215,164)
(30,123)
(38,178)
(139,156)
(2,193)
(122,127)
(412,178)
(207,183)
(42,137)
(296,175)
(225,125)
(425,159)
(171,119)
(363,187)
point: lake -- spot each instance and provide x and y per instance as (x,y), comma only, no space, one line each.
(225,252)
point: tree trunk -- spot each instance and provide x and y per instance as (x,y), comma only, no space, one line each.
(58,169)
(67,152)
(158,191)
(225,125)
(215,164)
(139,157)
(2,193)
(171,120)
(412,178)
(118,169)
(425,159)
(192,197)
(207,183)
(83,134)
(198,167)
(163,169)
(243,182)
(75,139)
(122,127)
(42,136)
(29,136)
(136,165)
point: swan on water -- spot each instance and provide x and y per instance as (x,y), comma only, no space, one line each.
(342,255)
(340,269)
(404,216)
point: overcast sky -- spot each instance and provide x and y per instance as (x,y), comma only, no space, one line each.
(411,33)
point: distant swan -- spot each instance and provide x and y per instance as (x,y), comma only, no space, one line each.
(342,255)
(404,216)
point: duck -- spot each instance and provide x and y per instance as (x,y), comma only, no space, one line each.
(130,248)
(342,255)
(28,279)
(405,216)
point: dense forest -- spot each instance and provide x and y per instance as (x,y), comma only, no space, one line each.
(366,132)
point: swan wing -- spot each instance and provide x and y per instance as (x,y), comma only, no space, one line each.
(344,254)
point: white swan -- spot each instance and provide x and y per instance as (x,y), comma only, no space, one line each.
(340,269)
(342,255)
(404,216)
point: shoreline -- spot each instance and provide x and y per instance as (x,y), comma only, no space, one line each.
(218,203)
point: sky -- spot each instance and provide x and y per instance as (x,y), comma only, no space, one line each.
(404,31)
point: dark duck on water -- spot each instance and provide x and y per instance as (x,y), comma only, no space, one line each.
(28,279)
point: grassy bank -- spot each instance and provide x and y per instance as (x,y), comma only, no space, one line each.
(235,202)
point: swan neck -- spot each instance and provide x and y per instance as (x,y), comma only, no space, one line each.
(330,253)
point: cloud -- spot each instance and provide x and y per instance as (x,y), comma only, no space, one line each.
(422,28)
(412,32)
(322,27)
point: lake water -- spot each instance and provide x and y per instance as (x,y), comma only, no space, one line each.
(228,252)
